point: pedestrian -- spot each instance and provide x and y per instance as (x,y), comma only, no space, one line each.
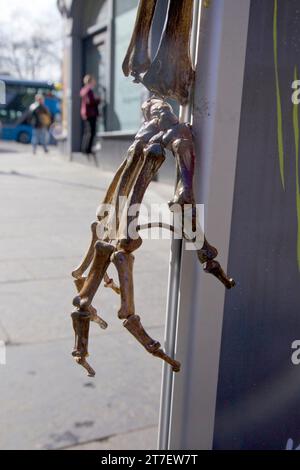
(89,114)
(40,118)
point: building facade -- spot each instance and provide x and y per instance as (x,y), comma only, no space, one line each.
(97,34)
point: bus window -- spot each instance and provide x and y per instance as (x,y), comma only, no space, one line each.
(4,116)
(19,96)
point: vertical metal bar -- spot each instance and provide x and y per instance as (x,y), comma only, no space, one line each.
(174,280)
(170,335)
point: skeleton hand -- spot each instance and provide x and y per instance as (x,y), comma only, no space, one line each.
(114,244)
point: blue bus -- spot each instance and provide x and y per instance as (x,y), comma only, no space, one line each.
(20,94)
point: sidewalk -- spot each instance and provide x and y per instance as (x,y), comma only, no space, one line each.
(47,402)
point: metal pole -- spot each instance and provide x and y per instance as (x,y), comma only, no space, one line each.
(185,115)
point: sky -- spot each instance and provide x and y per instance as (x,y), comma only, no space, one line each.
(26,11)
(35,7)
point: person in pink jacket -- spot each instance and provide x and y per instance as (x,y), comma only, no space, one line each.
(89,113)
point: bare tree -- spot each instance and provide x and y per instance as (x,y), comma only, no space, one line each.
(25,49)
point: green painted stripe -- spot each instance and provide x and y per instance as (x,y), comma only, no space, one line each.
(296,135)
(278,98)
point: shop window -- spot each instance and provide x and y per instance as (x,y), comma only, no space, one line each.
(127,96)
(95,13)
(122,6)
(95,63)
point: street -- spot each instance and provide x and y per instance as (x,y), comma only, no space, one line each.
(47,401)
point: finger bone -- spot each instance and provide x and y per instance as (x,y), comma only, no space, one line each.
(109,283)
(101,260)
(81,325)
(134,326)
(77,273)
(92,311)
(124,264)
(154,156)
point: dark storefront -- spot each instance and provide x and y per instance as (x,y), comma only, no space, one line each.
(97,34)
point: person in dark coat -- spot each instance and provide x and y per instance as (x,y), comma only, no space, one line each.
(89,114)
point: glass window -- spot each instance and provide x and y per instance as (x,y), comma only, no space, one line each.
(127,95)
(121,6)
(95,63)
(95,13)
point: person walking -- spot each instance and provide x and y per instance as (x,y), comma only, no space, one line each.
(40,118)
(89,114)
